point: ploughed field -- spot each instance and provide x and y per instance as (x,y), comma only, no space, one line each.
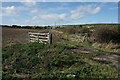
(15,35)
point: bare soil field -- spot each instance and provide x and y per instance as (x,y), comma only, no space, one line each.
(15,35)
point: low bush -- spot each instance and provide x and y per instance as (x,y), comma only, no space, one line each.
(84,30)
(106,34)
(70,30)
(74,30)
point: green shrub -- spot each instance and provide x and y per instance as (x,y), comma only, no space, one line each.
(106,34)
(70,30)
(84,30)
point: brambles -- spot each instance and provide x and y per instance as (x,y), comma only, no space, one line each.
(70,30)
(105,34)
(85,30)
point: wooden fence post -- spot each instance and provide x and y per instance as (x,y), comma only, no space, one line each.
(50,38)
(28,36)
(38,38)
(87,37)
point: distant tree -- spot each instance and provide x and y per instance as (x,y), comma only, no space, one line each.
(15,26)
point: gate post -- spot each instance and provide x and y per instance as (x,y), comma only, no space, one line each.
(87,37)
(50,38)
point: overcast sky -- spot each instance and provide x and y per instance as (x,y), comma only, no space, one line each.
(49,13)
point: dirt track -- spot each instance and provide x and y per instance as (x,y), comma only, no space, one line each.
(112,59)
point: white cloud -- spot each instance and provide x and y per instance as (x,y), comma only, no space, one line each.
(47,16)
(83,11)
(53,17)
(15,11)
(77,16)
(43,0)
(9,11)
(34,11)
(62,16)
(78,13)
(34,18)
(96,10)
(29,3)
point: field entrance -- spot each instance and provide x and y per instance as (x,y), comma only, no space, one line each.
(65,56)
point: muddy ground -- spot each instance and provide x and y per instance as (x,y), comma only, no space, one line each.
(112,59)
